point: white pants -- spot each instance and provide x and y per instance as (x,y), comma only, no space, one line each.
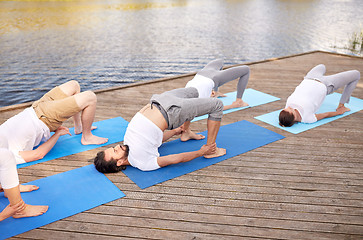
(8,172)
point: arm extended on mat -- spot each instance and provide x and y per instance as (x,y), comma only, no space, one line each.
(339,111)
(186,156)
(43,149)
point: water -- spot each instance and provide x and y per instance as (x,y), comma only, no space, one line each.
(104,43)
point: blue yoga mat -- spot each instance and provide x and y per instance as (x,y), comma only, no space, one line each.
(237,138)
(329,105)
(66,194)
(114,129)
(251,96)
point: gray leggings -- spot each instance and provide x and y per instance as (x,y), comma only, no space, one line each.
(349,79)
(183,105)
(213,70)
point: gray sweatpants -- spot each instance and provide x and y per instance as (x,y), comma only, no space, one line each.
(349,79)
(213,70)
(183,105)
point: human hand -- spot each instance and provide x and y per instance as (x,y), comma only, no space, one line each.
(11,210)
(62,131)
(208,149)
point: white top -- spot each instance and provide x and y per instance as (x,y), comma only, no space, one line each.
(203,84)
(307,99)
(24,131)
(143,138)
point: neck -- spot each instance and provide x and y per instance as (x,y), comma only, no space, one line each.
(297,115)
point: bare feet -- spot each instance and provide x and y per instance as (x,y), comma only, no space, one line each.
(342,109)
(28,188)
(23,188)
(92,139)
(78,130)
(31,211)
(236,104)
(219,152)
(239,103)
(189,134)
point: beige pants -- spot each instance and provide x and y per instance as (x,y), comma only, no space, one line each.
(55,107)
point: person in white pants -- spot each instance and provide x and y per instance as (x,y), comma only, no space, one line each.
(9,183)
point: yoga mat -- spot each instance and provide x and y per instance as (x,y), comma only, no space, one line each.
(66,194)
(113,129)
(251,96)
(237,138)
(329,105)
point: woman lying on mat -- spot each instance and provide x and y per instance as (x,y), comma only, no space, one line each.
(32,126)
(211,77)
(9,183)
(307,98)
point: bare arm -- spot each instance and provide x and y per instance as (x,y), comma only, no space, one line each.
(43,149)
(186,156)
(11,210)
(170,133)
(339,111)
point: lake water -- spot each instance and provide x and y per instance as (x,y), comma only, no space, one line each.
(108,43)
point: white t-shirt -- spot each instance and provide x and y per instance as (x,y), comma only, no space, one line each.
(307,99)
(143,138)
(23,132)
(203,84)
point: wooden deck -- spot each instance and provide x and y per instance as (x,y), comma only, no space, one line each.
(306,186)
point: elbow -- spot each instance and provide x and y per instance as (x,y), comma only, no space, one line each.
(38,155)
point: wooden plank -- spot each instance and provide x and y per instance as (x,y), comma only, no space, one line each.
(306,186)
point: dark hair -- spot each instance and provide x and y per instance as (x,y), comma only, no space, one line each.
(104,166)
(286,119)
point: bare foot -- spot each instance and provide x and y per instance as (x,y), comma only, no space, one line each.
(92,139)
(79,129)
(189,134)
(23,188)
(219,152)
(342,109)
(239,103)
(236,104)
(31,211)
(28,188)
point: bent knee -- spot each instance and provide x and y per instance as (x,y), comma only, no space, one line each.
(75,85)
(91,96)
(85,99)
(217,112)
(356,74)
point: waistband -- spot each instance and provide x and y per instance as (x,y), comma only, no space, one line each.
(314,79)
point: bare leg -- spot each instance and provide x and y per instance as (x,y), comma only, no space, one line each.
(188,134)
(72,88)
(87,101)
(213,128)
(26,210)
